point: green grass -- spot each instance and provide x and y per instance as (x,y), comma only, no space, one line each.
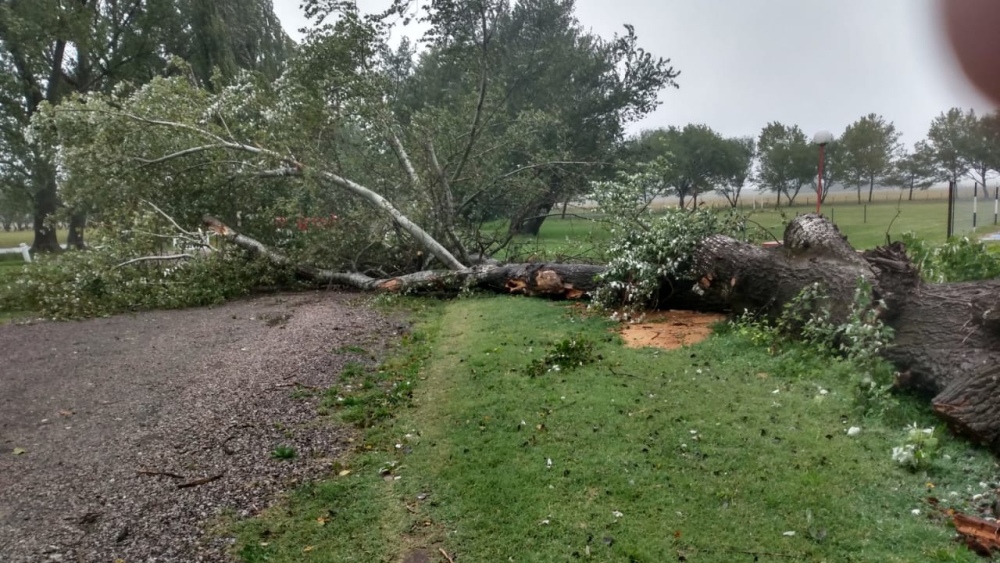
(579,236)
(10,239)
(712,453)
(867,229)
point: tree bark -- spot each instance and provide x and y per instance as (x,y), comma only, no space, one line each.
(77,222)
(529,222)
(46,200)
(947,336)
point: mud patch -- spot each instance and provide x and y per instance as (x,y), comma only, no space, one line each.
(670,329)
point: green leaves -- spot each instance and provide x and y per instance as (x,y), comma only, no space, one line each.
(870,147)
(787,161)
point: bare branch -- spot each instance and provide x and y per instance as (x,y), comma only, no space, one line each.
(164,258)
(167,217)
(477,118)
(414,230)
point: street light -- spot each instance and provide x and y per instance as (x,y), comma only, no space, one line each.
(821,138)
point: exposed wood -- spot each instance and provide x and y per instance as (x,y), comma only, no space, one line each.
(982,536)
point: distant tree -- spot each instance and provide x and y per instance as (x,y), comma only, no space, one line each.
(736,168)
(786,160)
(949,141)
(871,146)
(699,158)
(915,170)
(982,154)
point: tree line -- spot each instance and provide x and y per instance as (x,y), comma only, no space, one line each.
(695,159)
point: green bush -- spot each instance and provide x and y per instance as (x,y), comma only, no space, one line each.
(643,255)
(957,260)
(98,282)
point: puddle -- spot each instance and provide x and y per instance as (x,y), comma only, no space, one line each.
(670,329)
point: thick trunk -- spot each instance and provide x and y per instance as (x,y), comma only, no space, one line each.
(534,214)
(46,203)
(947,336)
(871,188)
(77,222)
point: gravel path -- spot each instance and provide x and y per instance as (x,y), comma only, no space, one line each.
(181,395)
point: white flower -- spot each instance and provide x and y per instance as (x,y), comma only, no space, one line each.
(617,514)
(903,455)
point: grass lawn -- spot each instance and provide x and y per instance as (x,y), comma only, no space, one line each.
(578,236)
(717,452)
(10,239)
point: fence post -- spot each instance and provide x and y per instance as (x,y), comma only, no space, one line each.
(25,252)
(951,208)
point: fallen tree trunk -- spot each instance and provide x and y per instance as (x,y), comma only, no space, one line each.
(565,281)
(946,345)
(947,336)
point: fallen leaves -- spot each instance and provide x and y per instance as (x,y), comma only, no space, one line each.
(20,451)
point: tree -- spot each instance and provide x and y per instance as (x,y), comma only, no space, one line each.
(534,60)
(949,142)
(915,170)
(699,158)
(327,141)
(51,49)
(982,156)
(870,145)
(786,161)
(739,155)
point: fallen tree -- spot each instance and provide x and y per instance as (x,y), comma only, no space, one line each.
(947,336)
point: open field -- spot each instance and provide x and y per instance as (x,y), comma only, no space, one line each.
(865,226)
(717,452)
(10,239)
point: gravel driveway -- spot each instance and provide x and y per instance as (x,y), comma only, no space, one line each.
(128,437)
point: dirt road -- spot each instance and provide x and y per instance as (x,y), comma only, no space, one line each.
(103,421)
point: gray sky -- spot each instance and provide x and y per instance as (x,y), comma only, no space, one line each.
(743,63)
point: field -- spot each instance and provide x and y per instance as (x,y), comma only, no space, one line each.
(866,226)
(11,239)
(722,451)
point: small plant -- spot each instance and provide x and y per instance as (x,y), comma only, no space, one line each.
(859,339)
(352,370)
(918,449)
(284,452)
(955,261)
(566,354)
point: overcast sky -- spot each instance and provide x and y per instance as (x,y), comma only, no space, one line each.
(743,63)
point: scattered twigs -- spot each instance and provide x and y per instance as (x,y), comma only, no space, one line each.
(160,473)
(446,556)
(201,481)
(293,384)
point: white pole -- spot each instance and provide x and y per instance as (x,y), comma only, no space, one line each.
(975,199)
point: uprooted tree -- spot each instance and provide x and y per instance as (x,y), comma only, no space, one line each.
(408,195)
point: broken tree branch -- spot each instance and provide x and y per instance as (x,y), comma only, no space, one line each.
(165,257)
(201,481)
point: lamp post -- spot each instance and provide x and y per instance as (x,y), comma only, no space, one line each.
(821,138)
